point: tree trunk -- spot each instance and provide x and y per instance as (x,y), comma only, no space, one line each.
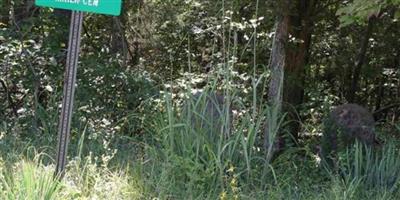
(277,64)
(288,60)
(10,100)
(5,11)
(297,56)
(351,96)
(63,18)
(277,68)
(380,92)
(22,10)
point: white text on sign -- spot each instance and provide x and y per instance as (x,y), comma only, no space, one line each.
(84,2)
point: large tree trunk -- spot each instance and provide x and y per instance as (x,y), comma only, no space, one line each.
(351,95)
(297,55)
(288,59)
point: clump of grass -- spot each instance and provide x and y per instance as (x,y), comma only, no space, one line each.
(376,169)
(354,188)
(85,179)
(26,173)
(91,176)
(29,180)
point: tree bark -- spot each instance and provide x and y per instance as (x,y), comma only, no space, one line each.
(277,68)
(297,56)
(277,64)
(290,53)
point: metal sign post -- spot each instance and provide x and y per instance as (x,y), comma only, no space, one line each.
(110,7)
(64,128)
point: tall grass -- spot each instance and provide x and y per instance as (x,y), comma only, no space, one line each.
(197,162)
(29,180)
(376,169)
(365,173)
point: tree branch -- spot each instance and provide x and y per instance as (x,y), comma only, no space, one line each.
(388,107)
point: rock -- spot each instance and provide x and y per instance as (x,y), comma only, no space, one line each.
(208,113)
(344,125)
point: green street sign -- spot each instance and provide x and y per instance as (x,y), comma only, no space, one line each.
(109,7)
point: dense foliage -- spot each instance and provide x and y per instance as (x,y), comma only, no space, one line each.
(280,66)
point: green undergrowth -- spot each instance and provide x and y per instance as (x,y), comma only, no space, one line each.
(180,161)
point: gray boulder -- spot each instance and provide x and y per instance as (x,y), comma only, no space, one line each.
(344,125)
